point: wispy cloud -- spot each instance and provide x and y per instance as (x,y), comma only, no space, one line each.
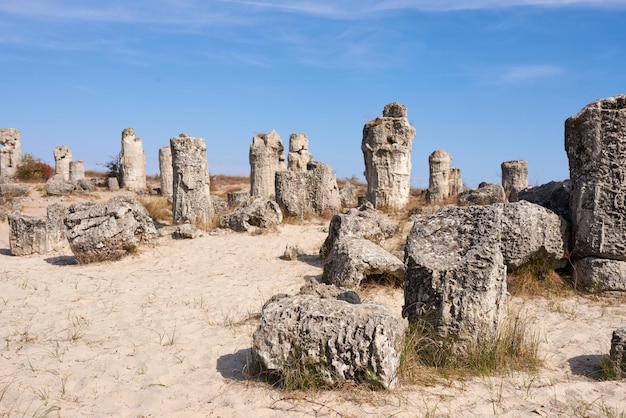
(516,74)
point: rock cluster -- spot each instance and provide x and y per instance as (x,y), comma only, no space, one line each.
(444,181)
(132,162)
(386,146)
(267,157)
(11,151)
(37,234)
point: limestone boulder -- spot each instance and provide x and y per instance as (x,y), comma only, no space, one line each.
(347,194)
(37,234)
(601,274)
(57,186)
(238,198)
(339,341)
(554,196)
(299,156)
(8,189)
(329,291)
(485,194)
(355,260)
(113,184)
(258,212)
(77,170)
(219,204)
(108,232)
(186,231)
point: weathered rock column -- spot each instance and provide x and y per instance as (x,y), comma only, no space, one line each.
(132,162)
(11,151)
(439,180)
(456,182)
(62,160)
(299,155)
(167,175)
(37,234)
(386,147)
(514,178)
(595,141)
(267,157)
(77,170)
(191,199)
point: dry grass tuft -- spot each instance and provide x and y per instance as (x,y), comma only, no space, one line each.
(158,207)
(537,278)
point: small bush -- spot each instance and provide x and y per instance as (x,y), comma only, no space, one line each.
(114,167)
(33,169)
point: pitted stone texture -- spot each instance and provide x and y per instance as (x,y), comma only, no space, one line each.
(455,275)
(362,222)
(258,212)
(267,157)
(132,162)
(37,234)
(62,159)
(554,195)
(601,274)
(77,170)
(595,141)
(514,178)
(485,194)
(108,232)
(343,341)
(531,231)
(10,152)
(314,191)
(618,352)
(329,291)
(56,186)
(237,199)
(299,156)
(386,147)
(355,260)
(167,173)
(191,201)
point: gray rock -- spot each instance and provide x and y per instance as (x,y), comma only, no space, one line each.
(113,184)
(362,222)
(10,152)
(8,190)
(62,159)
(554,195)
(237,199)
(347,194)
(329,291)
(77,170)
(132,162)
(601,274)
(455,274)
(514,178)
(56,186)
(186,231)
(485,194)
(219,204)
(107,232)
(37,234)
(618,352)
(259,212)
(595,141)
(386,147)
(354,260)
(267,157)
(338,340)
(291,253)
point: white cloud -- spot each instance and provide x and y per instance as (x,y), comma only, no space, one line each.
(517,74)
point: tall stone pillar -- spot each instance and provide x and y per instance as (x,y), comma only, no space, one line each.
(299,155)
(77,170)
(132,162)
(165,168)
(386,147)
(191,199)
(267,156)
(62,160)
(11,151)
(514,178)
(456,182)
(439,179)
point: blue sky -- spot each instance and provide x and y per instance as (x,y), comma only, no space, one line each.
(486,80)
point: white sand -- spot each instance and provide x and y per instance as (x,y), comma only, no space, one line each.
(166,333)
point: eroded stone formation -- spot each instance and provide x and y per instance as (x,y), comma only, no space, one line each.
(595,141)
(299,156)
(132,162)
(77,170)
(165,168)
(37,234)
(191,199)
(444,181)
(11,151)
(267,157)
(514,178)
(386,147)
(62,160)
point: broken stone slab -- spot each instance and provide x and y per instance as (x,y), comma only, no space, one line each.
(37,234)
(355,260)
(110,231)
(554,195)
(595,141)
(337,340)
(601,274)
(56,186)
(186,231)
(485,194)
(267,157)
(618,352)
(259,212)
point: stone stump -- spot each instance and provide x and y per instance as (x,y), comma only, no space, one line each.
(267,157)
(514,178)
(11,151)
(299,156)
(62,160)
(37,234)
(167,174)
(439,179)
(191,199)
(77,170)
(386,147)
(132,162)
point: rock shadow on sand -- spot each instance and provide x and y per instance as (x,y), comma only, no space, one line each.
(62,260)
(5,251)
(233,366)
(588,366)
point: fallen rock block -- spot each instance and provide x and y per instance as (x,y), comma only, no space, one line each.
(37,234)
(259,212)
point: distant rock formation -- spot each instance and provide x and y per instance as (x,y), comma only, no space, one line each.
(444,181)
(267,157)
(11,151)
(132,162)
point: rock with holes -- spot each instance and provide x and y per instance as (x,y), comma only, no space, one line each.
(8,189)
(37,234)
(62,159)
(107,232)
(335,340)
(355,260)
(485,194)
(618,352)
(258,212)
(329,291)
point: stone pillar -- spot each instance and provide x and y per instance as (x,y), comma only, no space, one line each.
(167,175)
(11,151)
(267,156)
(439,180)
(62,160)
(386,147)
(514,178)
(191,199)
(132,162)
(77,170)
(456,182)
(299,155)
(618,353)
(37,234)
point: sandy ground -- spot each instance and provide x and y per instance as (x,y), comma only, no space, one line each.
(167,332)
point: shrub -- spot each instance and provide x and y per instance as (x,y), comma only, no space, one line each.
(33,169)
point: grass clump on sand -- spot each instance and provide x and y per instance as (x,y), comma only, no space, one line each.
(158,207)
(537,278)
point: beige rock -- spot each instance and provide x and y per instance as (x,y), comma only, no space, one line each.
(514,178)
(62,160)
(11,151)
(77,170)
(132,162)
(267,157)
(167,174)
